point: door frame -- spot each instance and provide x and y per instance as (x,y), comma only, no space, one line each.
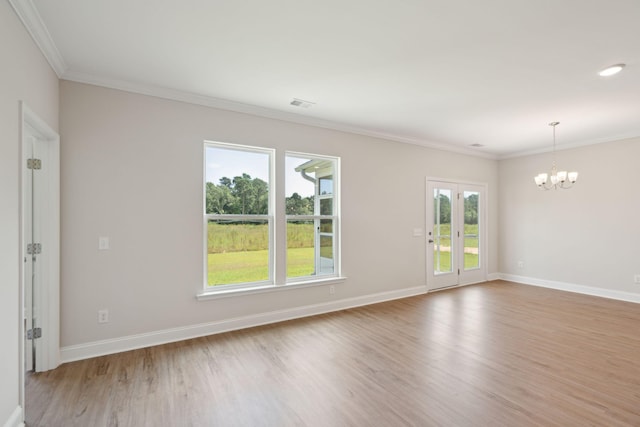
(483,231)
(31,125)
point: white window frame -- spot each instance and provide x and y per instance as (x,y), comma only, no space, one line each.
(269,217)
(335,217)
(277,247)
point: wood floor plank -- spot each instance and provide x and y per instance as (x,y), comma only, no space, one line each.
(495,354)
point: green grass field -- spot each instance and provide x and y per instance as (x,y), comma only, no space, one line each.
(252,266)
(237,253)
(470,261)
(470,241)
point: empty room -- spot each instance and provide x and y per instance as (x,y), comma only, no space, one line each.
(299,213)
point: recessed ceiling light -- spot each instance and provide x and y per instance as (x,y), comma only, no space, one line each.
(610,71)
(301,103)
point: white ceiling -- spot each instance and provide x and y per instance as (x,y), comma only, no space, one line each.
(438,73)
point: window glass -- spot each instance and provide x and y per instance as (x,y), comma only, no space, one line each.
(237,252)
(237,182)
(471,236)
(310,202)
(239,216)
(237,192)
(442,231)
(326,185)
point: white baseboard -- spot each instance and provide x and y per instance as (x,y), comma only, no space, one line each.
(572,287)
(493,276)
(16,418)
(132,342)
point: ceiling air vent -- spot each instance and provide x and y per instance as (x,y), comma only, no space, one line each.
(301,103)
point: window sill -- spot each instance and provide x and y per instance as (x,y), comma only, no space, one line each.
(225,293)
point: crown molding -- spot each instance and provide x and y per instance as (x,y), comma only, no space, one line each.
(570,146)
(224,104)
(30,17)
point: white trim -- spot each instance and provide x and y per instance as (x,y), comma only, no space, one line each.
(30,17)
(572,287)
(131,342)
(493,276)
(49,356)
(224,104)
(32,21)
(233,292)
(461,285)
(268,218)
(569,146)
(15,419)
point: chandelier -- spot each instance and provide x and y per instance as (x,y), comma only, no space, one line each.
(557,179)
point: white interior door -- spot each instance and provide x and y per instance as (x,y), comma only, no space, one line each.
(456,234)
(40,241)
(37,245)
(28,258)
(40,266)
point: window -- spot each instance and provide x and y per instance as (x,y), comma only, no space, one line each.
(239,218)
(239,223)
(311,216)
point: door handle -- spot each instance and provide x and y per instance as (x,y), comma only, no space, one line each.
(430,240)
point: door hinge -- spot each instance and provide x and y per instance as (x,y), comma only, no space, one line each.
(458,272)
(34,248)
(34,164)
(458,196)
(34,333)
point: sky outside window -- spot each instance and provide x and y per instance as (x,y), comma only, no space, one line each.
(230,163)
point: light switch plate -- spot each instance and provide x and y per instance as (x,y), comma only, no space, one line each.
(103,243)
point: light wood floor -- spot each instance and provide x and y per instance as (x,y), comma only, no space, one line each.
(497,354)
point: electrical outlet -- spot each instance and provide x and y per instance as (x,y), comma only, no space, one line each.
(332,289)
(636,279)
(103,316)
(520,264)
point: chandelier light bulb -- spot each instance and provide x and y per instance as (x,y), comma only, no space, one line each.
(573,177)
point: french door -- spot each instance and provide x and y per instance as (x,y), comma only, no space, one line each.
(456,234)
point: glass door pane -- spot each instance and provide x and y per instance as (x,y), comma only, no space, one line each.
(442,245)
(471,230)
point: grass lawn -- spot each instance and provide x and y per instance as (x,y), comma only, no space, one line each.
(237,252)
(238,267)
(469,230)
(470,261)
(252,266)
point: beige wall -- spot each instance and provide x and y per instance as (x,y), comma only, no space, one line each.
(132,171)
(24,75)
(587,236)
